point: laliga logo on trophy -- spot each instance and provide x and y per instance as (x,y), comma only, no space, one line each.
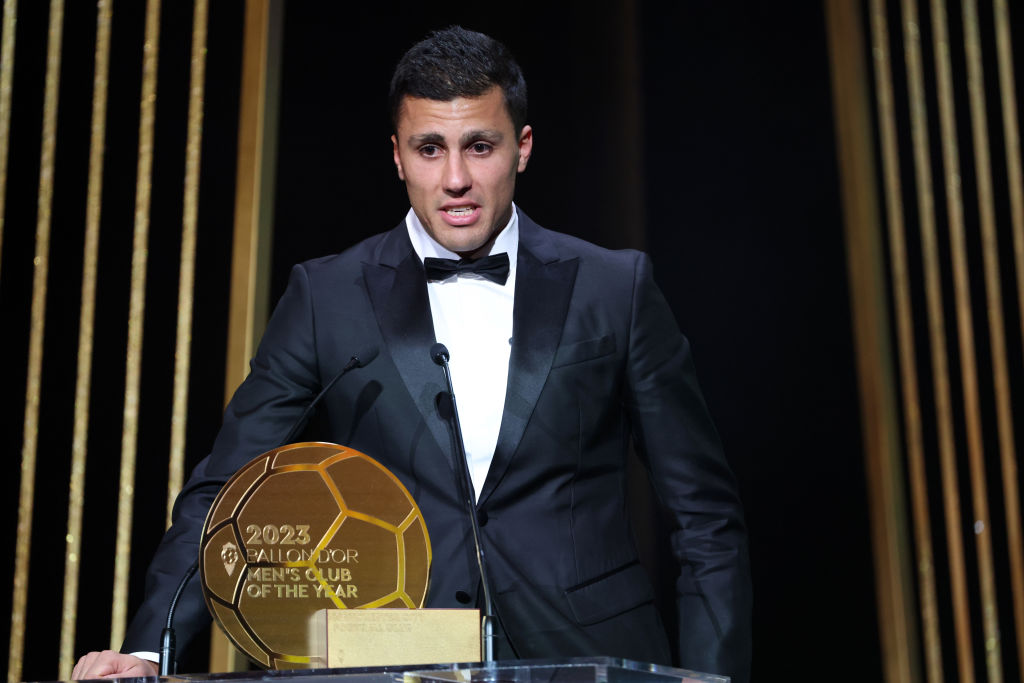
(229,555)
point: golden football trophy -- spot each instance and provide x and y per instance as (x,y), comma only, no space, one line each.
(303,528)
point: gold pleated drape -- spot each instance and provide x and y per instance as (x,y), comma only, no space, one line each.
(45,281)
(939,393)
(258,54)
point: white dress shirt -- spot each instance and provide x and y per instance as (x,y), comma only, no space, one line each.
(473,318)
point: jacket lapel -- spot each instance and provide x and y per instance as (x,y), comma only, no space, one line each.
(544,284)
(398,292)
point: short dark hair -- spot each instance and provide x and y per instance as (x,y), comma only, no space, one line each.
(456,62)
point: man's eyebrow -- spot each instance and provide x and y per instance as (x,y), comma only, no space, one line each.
(486,134)
(433,138)
(426,139)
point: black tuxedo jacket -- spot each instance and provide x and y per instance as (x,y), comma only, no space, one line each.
(596,357)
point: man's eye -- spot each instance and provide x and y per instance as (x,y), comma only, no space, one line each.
(430,150)
(480,148)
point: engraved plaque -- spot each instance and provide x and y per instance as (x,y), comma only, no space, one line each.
(302,528)
(396,637)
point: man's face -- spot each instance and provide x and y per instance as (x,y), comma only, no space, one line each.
(459,161)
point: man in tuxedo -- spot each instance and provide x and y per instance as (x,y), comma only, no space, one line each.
(560,351)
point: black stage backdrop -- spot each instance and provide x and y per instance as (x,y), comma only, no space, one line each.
(701,131)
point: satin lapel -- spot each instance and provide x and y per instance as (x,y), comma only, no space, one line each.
(543,289)
(398,292)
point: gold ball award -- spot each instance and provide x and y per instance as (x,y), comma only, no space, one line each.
(305,527)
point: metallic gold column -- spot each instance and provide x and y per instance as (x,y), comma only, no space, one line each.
(905,327)
(996,332)
(257,149)
(875,371)
(136,318)
(939,350)
(35,353)
(186,279)
(250,266)
(1011,134)
(964,316)
(83,382)
(6,77)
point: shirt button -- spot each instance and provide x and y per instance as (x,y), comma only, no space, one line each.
(463,597)
(443,401)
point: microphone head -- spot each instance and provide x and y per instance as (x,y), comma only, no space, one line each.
(439,353)
(366,356)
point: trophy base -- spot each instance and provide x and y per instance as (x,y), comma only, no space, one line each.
(393,637)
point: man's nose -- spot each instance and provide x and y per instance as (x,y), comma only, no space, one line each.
(457,179)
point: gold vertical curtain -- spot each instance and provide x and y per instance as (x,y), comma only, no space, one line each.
(136,313)
(35,354)
(86,331)
(52,241)
(250,263)
(940,382)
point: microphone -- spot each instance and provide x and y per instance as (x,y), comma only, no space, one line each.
(167,641)
(439,354)
(167,644)
(360,360)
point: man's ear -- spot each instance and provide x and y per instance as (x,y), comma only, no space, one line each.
(525,147)
(398,159)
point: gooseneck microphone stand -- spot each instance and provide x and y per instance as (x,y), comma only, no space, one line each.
(439,354)
(167,644)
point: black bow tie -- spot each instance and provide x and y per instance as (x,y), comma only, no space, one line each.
(493,267)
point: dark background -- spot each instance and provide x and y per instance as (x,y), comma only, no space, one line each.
(701,131)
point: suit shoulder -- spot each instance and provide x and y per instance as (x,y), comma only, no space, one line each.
(592,255)
(345,261)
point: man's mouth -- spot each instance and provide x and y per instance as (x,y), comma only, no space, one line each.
(460,211)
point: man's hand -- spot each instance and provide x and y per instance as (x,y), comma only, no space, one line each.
(110,664)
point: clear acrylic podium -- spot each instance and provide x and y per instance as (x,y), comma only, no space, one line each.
(575,670)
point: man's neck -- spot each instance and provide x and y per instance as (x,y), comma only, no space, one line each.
(506,239)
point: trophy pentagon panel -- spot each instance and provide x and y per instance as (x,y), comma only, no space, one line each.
(307,453)
(224,546)
(226,503)
(371,490)
(230,621)
(288,517)
(417,559)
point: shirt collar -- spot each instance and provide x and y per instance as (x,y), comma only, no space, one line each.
(426,246)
